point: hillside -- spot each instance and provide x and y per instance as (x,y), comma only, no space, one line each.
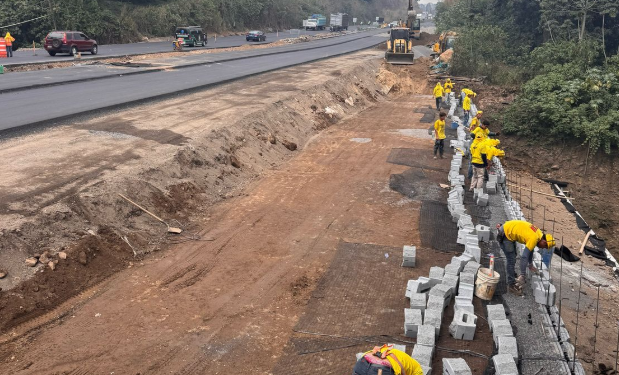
(131,20)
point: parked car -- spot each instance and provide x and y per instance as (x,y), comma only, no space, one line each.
(192,36)
(256,36)
(70,42)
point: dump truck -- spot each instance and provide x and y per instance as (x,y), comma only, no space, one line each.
(339,21)
(413,23)
(315,22)
(400,47)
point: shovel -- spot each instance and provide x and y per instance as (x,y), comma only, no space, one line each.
(170,229)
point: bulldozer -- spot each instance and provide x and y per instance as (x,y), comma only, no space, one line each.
(400,47)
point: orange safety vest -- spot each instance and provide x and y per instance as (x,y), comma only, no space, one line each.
(9,41)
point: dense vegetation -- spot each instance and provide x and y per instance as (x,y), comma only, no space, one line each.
(112,21)
(563,52)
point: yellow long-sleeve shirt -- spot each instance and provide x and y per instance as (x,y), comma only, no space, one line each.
(466,104)
(523,232)
(411,366)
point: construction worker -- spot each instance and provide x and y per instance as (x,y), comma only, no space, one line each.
(439,134)
(9,44)
(438,95)
(448,87)
(525,233)
(477,163)
(386,360)
(476,121)
(464,93)
(489,151)
(484,131)
(466,106)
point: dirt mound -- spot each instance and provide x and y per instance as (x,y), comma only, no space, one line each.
(425,39)
(404,79)
(211,167)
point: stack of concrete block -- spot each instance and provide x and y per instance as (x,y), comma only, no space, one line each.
(471,267)
(504,364)
(426,336)
(465,221)
(492,184)
(495,313)
(419,301)
(451,281)
(483,233)
(422,284)
(472,248)
(463,303)
(467,277)
(544,295)
(409,255)
(456,366)
(436,275)
(501,328)
(508,345)
(463,325)
(442,292)
(412,320)
(466,291)
(452,269)
(457,181)
(463,235)
(433,318)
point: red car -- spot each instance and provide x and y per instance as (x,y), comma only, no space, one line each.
(70,42)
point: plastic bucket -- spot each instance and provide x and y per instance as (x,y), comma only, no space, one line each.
(454,125)
(485,285)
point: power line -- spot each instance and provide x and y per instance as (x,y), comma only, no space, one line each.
(20,23)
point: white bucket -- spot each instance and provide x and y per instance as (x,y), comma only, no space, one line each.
(485,285)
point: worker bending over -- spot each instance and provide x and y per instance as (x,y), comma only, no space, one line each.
(478,163)
(476,122)
(385,360)
(525,233)
(448,87)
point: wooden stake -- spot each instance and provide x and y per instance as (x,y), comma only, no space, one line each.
(584,242)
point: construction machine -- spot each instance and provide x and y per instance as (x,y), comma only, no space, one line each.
(400,47)
(412,22)
(445,41)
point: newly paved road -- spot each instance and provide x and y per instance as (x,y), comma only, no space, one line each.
(25,56)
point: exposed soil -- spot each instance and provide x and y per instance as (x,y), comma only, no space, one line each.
(238,287)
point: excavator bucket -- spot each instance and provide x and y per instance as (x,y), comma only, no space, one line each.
(400,58)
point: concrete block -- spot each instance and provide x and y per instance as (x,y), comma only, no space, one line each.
(504,364)
(434,319)
(465,221)
(466,291)
(451,269)
(544,295)
(491,187)
(472,267)
(452,282)
(409,255)
(474,251)
(501,328)
(419,301)
(577,368)
(568,349)
(564,335)
(459,262)
(467,277)
(550,334)
(436,303)
(483,233)
(412,320)
(463,325)
(482,200)
(413,286)
(399,347)
(426,335)
(477,193)
(495,312)
(463,303)
(456,366)
(465,258)
(423,354)
(425,370)
(436,275)
(508,345)
(442,290)
(424,284)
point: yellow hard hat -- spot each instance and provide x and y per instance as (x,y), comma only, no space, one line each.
(480,112)
(550,240)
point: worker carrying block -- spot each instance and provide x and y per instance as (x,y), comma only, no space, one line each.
(525,233)
(386,360)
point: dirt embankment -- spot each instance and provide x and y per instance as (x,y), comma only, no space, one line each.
(179,179)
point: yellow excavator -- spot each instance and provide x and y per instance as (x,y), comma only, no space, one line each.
(400,47)
(412,22)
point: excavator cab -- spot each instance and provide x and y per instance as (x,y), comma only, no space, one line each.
(400,47)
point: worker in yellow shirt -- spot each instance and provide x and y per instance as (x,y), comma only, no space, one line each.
(489,151)
(439,134)
(466,106)
(484,131)
(476,122)
(386,360)
(525,233)
(438,95)
(464,93)
(478,163)
(448,87)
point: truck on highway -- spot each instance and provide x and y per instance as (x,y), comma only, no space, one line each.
(339,21)
(315,22)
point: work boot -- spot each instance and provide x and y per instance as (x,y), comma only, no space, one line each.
(520,281)
(513,289)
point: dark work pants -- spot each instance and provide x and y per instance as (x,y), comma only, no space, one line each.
(363,367)
(439,145)
(438,103)
(9,51)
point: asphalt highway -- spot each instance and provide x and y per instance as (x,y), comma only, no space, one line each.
(25,56)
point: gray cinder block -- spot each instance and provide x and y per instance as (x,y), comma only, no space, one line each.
(483,233)
(409,255)
(436,303)
(504,365)
(501,328)
(423,354)
(412,320)
(463,325)
(436,275)
(466,291)
(426,335)
(495,312)
(419,301)
(452,269)
(451,281)
(482,200)
(508,345)
(467,277)
(456,366)
(433,318)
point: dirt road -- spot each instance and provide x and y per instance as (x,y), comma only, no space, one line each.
(231,303)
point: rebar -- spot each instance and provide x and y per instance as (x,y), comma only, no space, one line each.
(531,202)
(560,293)
(544,221)
(617,350)
(595,334)
(577,313)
